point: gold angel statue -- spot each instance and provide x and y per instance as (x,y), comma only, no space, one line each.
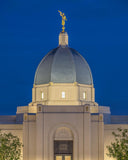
(63,20)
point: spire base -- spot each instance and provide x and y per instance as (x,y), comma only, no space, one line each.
(63,38)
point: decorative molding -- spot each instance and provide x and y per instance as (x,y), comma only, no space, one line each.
(63,133)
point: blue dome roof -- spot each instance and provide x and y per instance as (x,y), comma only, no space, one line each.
(63,65)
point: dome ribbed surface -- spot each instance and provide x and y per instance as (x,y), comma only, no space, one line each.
(63,65)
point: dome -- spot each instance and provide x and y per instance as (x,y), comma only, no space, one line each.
(63,65)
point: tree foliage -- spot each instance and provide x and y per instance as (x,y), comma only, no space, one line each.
(10,147)
(119,148)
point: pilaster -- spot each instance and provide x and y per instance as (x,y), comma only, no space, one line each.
(29,137)
(40,133)
(25,138)
(87,133)
(101,137)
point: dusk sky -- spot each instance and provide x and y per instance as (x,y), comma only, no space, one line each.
(97,29)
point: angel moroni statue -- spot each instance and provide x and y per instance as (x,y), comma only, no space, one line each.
(63,20)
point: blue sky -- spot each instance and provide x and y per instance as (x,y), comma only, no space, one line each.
(97,29)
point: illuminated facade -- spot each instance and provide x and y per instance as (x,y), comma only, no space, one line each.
(63,121)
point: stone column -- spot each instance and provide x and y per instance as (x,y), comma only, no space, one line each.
(34,94)
(93,94)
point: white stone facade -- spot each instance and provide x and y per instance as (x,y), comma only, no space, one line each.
(48,123)
(63,122)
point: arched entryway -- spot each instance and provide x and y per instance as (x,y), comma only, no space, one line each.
(63,149)
(63,144)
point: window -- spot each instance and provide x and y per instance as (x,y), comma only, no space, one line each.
(42,95)
(63,149)
(59,157)
(84,95)
(67,157)
(63,94)
(39,109)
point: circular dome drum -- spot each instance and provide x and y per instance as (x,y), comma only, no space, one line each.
(63,65)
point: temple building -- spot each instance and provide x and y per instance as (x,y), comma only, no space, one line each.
(63,121)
